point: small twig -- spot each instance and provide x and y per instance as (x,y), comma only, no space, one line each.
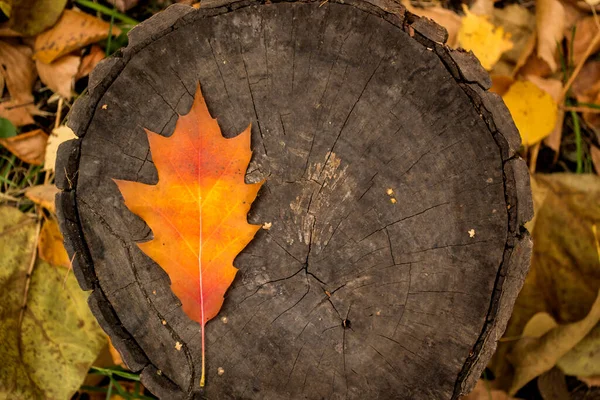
(30,269)
(69,270)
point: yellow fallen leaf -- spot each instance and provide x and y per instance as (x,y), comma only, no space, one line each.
(43,195)
(58,136)
(533,355)
(73,31)
(487,41)
(50,245)
(533,110)
(59,75)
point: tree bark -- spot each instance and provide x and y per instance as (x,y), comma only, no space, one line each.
(396,200)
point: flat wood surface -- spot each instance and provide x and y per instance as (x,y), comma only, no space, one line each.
(396,201)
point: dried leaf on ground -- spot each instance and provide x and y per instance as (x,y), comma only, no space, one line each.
(50,245)
(483,391)
(48,355)
(442,16)
(73,31)
(564,277)
(487,41)
(550,23)
(584,359)
(533,110)
(553,386)
(532,355)
(29,147)
(501,84)
(43,195)
(18,72)
(59,75)
(30,17)
(519,23)
(209,167)
(89,62)
(124,5)
(58,136)
(586,79)
(585,30)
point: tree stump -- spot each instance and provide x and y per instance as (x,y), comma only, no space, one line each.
(396,200)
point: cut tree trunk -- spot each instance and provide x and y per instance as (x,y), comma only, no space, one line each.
(396,200)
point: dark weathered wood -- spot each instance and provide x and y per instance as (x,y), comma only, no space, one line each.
(347,100)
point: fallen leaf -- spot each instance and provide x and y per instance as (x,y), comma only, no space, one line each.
(483,391)
(564,277)
(584,359)
(89,62)
(487,41)
(48,354)
(124,5)
(519,23)
(586,79)
(442,16)
(210,171)
(59,75)
(482,7)
(592,119)
(30,17)
(7,129)
(533,355)
(59,135)
(43,195)
(50,245)
(553,385)
(18,71)
(29,147)
(533,110)
(585,30)
(501,84)
(550,25)
(114,353)
(554,88)
(595,153)
(73,31)
(591,381)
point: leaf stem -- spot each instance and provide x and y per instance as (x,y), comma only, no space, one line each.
(107,11)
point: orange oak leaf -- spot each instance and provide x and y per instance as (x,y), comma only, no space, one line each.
(198,210)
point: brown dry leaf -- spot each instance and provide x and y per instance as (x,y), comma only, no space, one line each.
(595,153)
(124,5)
(482,7)
(29,147)
(43,195)
(73,31)
(501,84)
(487,41)
(519,22)
(89,62)
(483,391)
(587,78)
(583,359)
(59,75)
(18,72)
(58,136)
(564,277)
(554,88)
(550,23)
(30,17)
(585,30)
(591,381)
(592,119)
(446,18)
(532,355)
(50,245)
(553,385)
